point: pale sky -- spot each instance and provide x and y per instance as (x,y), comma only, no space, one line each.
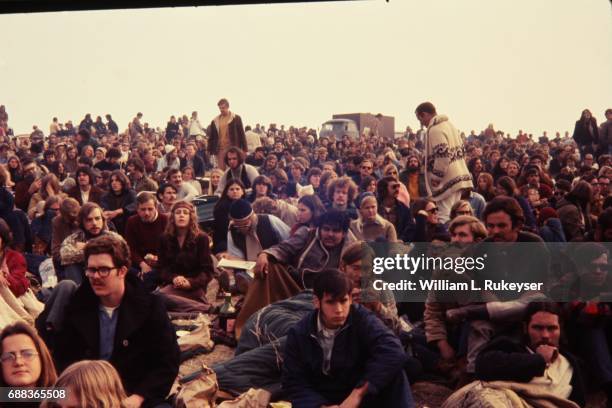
(519,64)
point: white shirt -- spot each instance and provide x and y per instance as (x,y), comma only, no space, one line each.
(85,196)
(557,378)
(253,140)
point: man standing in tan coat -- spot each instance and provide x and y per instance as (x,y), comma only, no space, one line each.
(226,130)
(446,172)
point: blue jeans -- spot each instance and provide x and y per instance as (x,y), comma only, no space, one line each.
(74,272)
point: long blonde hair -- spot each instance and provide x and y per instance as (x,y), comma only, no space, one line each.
(95,384)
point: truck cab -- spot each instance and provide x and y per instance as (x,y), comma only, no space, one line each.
(339,128)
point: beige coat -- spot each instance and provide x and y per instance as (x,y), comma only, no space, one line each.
(369,231)
(445,168)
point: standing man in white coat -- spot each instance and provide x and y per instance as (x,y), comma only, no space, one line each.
(446,172)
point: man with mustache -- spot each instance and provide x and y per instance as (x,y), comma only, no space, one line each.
(110,317)
(413,178)
(538,360)
(91,225)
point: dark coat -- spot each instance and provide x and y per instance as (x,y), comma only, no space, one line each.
(172,129)
(145,351)
(112,126)
(192,261)
(364,350)
(575,222)
(552,231)
(221,224)
(425,232)
(126,201)
(405,225)
(95,194)
(506,360)
(198,165)
(236,134)
(582,136)
(350,210)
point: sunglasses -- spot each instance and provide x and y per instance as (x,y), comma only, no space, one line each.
(432,210)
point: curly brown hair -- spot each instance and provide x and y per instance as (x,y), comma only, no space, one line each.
(342,182)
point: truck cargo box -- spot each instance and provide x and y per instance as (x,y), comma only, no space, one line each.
(367,122)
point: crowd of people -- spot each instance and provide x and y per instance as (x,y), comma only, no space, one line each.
(100,242)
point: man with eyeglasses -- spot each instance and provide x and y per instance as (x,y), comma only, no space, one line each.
(110,317)
(365,169)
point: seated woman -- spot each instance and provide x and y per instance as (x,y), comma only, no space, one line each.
(14,286)
(42,226)
(50,186)
(91,384)
(262,187)
(309,208)
(233,191)
(428,225)
(25,359)
(185,264)
(370,226)
(215,178)
(314,178)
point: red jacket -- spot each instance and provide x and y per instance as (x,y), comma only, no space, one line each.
(18,283)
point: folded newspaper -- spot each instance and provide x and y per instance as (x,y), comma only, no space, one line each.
(248,266)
